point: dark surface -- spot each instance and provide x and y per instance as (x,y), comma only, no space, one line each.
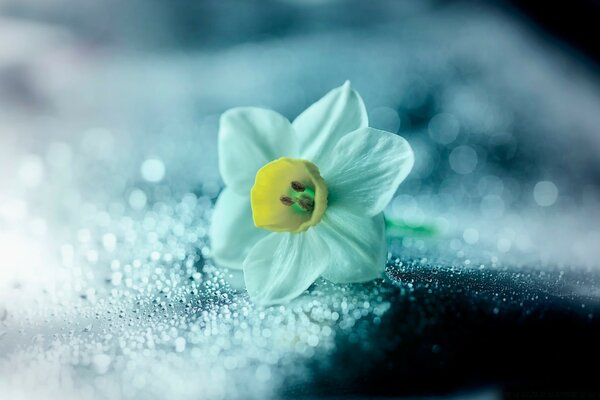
(524,331)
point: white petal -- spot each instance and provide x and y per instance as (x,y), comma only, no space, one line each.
(283,265)
(325,122)
(249,138)
(365,169)
(232,232)
(356,244)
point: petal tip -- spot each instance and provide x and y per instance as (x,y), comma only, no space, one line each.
(346,88)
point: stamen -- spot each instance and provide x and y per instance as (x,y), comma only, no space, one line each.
(298,186)
(286,200)
(306,203)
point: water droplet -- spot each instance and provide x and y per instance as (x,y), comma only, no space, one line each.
(180,344)
(101,363)
(444,128)
(153,170)
(137,199)
(545,193)
(109,241)
(463,159)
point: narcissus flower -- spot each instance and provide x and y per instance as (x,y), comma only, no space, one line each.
(305,199)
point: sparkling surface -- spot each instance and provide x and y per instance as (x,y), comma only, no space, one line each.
(108,176)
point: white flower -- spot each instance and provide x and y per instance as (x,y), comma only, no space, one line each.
(305,199)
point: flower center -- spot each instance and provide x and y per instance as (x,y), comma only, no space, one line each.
(289,195)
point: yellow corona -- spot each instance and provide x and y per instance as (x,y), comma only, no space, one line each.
(289,195)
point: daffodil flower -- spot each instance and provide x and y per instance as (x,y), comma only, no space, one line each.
(305,199)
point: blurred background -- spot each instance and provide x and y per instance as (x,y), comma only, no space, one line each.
(108,174)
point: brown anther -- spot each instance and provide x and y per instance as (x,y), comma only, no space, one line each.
(298,186)
(286,201)
(306,203)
